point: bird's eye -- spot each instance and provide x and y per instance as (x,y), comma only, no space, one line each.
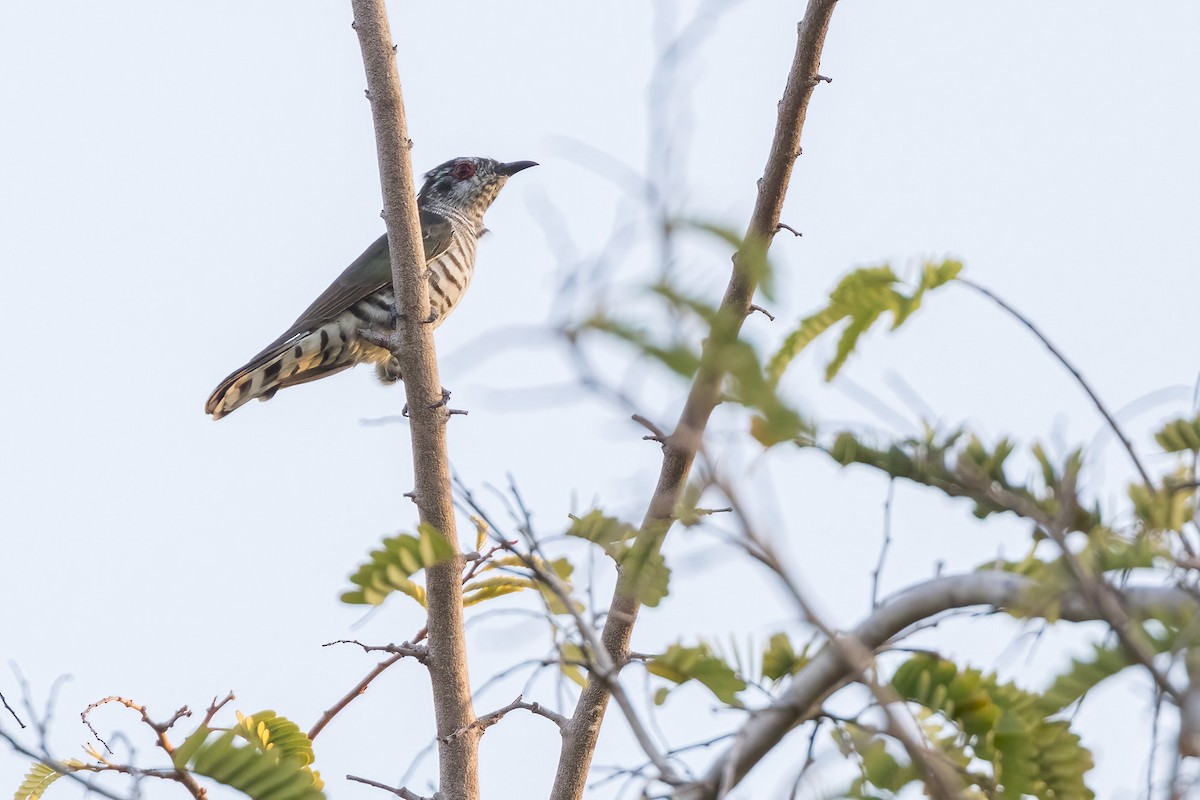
(463,170)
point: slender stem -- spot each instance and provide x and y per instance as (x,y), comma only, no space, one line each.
(1087,388)
(447,655)
(679,449)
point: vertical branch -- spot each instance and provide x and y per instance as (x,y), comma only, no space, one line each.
(679,449)
(447,660)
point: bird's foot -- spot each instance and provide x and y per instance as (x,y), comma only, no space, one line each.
(387,339)
(431,319)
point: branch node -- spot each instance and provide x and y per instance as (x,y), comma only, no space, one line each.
(783,226)
(818,78)
(762,311)
(657,434)
(399,792)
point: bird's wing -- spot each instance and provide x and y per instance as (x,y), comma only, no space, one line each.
(369,273)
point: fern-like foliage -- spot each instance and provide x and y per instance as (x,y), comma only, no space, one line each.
(1082,676)
(520,573)
(40,776)
(1003,725)
(1180,436)
(268,731)
(272,765)
(391,567)
(860,298)
(962,466)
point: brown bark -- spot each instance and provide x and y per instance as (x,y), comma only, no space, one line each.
(447,658)
(679,449)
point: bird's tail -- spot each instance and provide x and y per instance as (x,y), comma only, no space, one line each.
(313,355)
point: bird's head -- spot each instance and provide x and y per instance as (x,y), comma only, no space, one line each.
(468,184)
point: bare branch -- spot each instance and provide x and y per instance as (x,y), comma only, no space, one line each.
(1087,388)
(348,697)
(827,671)
(679,450)
(762,311)
(447,657)
(400,792)
(160,730)
(488,720)
(419,652)
(4,700)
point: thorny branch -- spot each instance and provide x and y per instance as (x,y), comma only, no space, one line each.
(399,792)
(458,762)
(160,730)
(679,449)
(488,720)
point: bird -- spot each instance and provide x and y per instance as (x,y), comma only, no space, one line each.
(338,330)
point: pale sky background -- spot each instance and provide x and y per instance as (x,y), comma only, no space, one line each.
(179,180)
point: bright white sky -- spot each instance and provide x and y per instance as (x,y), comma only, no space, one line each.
(180,180)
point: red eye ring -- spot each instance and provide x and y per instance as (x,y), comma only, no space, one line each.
(463,170)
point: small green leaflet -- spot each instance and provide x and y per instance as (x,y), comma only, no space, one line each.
(861,297)
(391,566)
(680,664)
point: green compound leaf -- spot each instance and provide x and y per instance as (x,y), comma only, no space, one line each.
(680,664)
(266,730)
(860,298)
(482,589)
(391,566)
(263,769)
(1005,726)
(1180,436)
(40,776)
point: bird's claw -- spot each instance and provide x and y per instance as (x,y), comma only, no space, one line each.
(387,339)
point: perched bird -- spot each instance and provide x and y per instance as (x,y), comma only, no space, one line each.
(327,339)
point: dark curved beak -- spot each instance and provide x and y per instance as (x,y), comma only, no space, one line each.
(513,167)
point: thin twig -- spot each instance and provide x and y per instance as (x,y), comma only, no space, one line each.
(754,307)
(458,762)
(160,729)
(887,543)
(10,710)
(657,434)
(419,652)
(680,448)
(488,720)
(399,792)
(941,778)
(348,698)
(1087,388)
